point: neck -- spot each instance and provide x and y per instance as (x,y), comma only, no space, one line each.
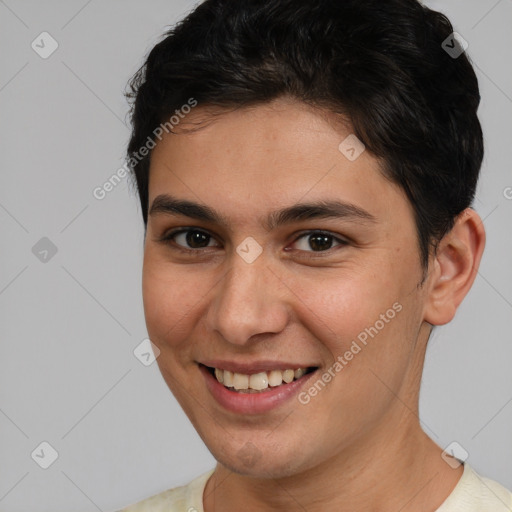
(383,473)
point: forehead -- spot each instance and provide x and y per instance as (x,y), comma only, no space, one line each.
(254,159)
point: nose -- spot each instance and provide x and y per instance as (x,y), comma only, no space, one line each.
(248,301)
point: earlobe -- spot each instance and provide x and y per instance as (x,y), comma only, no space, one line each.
(455,267)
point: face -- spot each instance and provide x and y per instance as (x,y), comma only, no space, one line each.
(253,293)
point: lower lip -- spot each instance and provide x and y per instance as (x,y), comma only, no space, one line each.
(252,403)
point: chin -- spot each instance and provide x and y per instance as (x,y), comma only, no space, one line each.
(260,469)
(268,462)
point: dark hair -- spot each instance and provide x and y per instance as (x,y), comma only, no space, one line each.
(380,64)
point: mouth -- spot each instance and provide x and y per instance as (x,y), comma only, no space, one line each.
(257,390)
(259,382)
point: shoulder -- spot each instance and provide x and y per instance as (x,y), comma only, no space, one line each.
(186,498)
(475,493)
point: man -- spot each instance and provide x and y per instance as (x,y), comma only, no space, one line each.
(306,172)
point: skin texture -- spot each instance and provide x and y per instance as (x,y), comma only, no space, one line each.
(358,444)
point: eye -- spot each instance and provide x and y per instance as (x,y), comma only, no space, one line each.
(319,241)
(192,239)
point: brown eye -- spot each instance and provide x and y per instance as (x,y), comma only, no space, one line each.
(318,241)
(189,239)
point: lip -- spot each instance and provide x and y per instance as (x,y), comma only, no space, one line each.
(253,403)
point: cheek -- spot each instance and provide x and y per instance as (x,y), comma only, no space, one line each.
(344,304)
(360,320)
(170,296)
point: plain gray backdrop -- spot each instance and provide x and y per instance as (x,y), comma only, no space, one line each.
(70,273)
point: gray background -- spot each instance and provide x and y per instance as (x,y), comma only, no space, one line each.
(69,325)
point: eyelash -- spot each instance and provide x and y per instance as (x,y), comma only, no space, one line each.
(168,238)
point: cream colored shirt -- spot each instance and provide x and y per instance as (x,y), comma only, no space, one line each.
(472,493)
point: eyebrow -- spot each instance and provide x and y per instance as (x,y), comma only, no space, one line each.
(323,209)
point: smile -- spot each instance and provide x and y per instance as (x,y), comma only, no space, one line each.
(257,390)
(258,382)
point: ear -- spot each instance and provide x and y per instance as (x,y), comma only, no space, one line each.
(454,268)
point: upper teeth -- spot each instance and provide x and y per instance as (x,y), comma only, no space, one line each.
(257,381)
